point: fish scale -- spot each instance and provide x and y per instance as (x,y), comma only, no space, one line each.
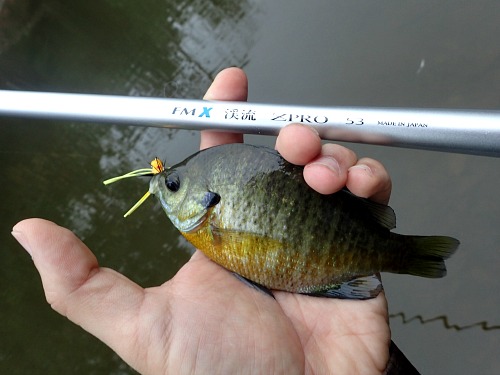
(251,211)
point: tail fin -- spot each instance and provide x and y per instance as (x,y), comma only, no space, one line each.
(426,255)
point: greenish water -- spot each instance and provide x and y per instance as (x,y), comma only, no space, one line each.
(321,53)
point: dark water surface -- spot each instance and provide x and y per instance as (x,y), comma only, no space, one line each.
(420,54)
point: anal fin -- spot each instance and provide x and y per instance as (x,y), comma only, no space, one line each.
(359,288)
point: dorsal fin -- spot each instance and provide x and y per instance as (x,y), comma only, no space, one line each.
(382,214)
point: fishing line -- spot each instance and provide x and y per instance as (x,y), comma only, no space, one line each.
(484,325)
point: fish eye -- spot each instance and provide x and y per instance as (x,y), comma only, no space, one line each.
(172,182)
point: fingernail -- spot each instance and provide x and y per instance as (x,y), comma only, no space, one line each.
(363,167)
(23,241)
(329,162)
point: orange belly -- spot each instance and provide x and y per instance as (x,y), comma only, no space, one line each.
(262,259)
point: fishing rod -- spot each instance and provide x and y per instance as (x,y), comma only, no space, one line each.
(475,132)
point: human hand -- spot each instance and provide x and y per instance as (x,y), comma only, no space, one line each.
(204,320)
(337,336)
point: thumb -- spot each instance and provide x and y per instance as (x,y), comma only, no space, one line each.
(63,261)
(100,300)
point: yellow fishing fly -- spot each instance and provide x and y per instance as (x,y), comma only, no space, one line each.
(157,166)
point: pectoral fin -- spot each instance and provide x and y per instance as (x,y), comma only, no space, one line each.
(360,288)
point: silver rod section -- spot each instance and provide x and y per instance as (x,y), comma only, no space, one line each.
(462,131)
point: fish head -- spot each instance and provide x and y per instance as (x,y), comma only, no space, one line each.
(186,201)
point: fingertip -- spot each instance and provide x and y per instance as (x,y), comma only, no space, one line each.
(328,172)
(298,143)
(33,232)
(63,261)
(361,171)
(23,229)
(323,176)
(32,224)
(231,84)
(369,179)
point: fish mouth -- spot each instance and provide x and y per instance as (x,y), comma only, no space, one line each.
(184,223)
(190,225)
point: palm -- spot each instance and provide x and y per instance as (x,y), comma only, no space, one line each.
(204,320)
(218,324)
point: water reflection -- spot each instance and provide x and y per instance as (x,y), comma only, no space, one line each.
(318,53)
(17,19)
(212,37)
(55,169)
(367,54)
